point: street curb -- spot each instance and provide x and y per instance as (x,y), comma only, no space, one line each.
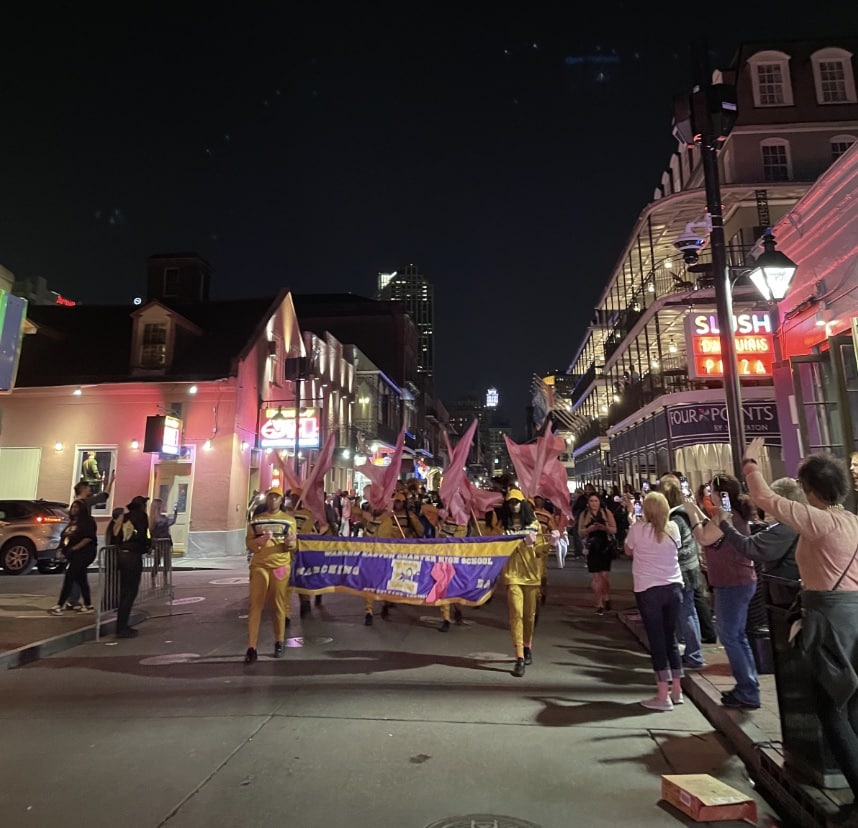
(749,743)
(31,653)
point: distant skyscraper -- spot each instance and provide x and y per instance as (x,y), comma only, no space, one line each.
(417,293)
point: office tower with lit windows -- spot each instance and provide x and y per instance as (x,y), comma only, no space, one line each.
(417,293)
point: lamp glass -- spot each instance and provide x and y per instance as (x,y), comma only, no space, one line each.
(772,281)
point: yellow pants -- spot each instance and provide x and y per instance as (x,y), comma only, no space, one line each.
(522,615)
(266,589)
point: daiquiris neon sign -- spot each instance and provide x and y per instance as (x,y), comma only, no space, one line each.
(754,341)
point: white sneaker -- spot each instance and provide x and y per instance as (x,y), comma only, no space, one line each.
(655,703)
(56,610)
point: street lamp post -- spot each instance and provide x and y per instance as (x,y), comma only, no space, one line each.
(709,144)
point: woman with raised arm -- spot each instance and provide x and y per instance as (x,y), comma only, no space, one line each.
(827,559)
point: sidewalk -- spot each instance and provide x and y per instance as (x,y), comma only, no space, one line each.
(27,635)
(754,734)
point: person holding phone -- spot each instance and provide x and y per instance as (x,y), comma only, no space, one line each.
(595,526)
(733,579)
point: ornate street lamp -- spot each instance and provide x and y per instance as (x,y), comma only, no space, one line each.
(773,271)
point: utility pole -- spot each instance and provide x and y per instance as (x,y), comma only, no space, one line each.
(709,144)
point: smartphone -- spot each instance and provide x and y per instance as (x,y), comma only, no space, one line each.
(645,486)
(638,508)
(725,502)
(686,489)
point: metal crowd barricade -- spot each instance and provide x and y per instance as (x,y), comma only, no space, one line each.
(156,581)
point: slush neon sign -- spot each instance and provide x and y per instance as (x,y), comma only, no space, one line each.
(753,337)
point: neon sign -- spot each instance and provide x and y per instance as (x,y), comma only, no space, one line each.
(163,435)
(277,428)
(753,338)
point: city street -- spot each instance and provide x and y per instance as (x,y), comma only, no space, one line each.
(391,725)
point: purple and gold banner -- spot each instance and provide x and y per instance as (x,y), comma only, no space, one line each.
(430,571)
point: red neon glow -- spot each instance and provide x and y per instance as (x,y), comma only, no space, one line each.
(69,303)
(758,365)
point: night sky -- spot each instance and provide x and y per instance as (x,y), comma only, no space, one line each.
(506,152)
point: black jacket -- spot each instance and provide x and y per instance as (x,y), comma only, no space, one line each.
(829,640)
(139,541)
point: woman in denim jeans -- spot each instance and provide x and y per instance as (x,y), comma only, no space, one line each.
(688,627)
(734,580)
(652,544)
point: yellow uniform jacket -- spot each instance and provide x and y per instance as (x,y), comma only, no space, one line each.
(276,551)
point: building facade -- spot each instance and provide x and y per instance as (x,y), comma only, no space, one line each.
(646,381)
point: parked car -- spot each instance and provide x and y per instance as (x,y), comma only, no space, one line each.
(30,534)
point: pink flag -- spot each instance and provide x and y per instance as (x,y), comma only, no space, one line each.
(288,479)
(313,492)
(481,500)
(383,478)
(553,485)
(455,480)
(523,460)
(539,471)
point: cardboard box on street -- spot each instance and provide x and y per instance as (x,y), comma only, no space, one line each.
(706,799)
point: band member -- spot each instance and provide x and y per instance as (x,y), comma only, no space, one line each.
(271,538)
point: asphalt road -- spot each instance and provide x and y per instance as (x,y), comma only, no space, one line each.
(391,725)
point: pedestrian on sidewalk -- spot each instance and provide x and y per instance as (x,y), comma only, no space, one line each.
(734,580)
(652,545)
(523,576)
(129,559)
(827,558)
(79,544)
(773,547)
(272,539)
(595,526)
(159,529)
(688,628)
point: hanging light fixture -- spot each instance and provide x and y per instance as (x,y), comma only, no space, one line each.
(773,271)
(672,346)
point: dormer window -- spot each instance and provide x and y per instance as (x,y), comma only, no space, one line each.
(833,76)
(171,282)
(771,79)
(154,350)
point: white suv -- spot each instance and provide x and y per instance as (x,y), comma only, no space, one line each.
(30,533)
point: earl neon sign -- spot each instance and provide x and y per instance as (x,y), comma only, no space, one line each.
(278,426)
(753,337)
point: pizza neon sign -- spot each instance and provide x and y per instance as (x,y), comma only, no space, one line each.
(753,339)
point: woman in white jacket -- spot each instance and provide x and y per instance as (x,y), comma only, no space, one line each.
(653,544)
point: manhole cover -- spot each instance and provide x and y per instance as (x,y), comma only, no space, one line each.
(230,581)
(482,821)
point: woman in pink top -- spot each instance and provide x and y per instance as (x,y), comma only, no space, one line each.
(827,558)
(653,545)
